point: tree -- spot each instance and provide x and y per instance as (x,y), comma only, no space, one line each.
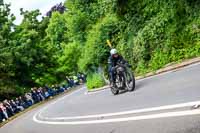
(6,50)
(57,29)
(69,58)
(33,58)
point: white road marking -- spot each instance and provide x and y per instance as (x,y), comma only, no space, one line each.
(127,112)
(136,118)
(60,99)
(145,117)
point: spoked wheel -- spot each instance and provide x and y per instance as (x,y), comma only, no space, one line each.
(117,85)
(114,90)
(130,80)
(120,81)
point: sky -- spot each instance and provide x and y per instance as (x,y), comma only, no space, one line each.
(42,5)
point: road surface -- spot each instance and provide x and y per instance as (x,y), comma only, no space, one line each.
(160,104)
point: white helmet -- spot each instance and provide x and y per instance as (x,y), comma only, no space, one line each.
(113,51)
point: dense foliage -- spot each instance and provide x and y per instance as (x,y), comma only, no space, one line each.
(95,80)
(149,34)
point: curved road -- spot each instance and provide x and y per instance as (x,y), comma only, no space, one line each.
(160,104)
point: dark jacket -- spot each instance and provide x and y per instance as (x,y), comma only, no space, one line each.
(112,62)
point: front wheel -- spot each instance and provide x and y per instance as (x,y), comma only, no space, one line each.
(116,85)
(114,90)
(130,80)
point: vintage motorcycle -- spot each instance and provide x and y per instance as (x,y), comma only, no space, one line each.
(124,79)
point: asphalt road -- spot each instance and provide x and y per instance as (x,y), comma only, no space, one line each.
(160,104)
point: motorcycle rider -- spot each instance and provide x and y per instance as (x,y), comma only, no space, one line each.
(112,62)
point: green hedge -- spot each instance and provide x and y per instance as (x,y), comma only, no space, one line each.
(95,80)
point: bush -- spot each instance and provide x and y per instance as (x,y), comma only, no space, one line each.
(158,60)
(95,80)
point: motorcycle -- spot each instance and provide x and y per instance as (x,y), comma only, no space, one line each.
(124,79)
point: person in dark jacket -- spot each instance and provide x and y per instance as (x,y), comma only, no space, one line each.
(112,62)
(3,112)
(34,95)
(8,107)
(14,106)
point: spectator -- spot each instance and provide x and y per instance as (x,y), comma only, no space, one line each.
(80,80)
(19,106)
(71,81)
(46,93)
(40,95)
(22,102)
(65,87)
(62,89)
(55,89)
(83,76)
(14,106)
(29,99)
(34,95)
(9,108)
(75,78)
(3,111)
(50,90)
(1,116)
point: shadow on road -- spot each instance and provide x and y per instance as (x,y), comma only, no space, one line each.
(122,92)
(140,84)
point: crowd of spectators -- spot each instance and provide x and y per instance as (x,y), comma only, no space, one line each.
(9,108)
